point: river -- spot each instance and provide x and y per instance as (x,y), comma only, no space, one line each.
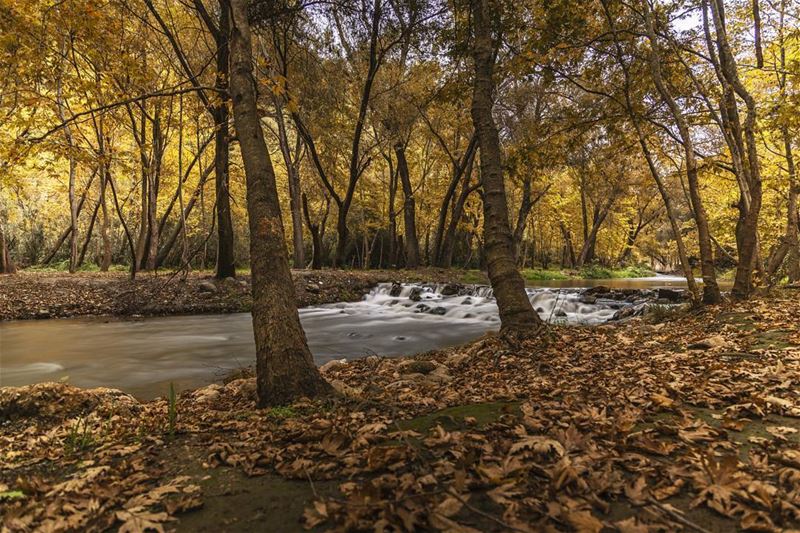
(142,356)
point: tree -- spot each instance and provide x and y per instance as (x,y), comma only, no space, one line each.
(516,312)
(285,369)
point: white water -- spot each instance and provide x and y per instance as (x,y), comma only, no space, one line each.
(142,356)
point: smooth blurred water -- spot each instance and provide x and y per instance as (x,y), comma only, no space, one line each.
(142,356)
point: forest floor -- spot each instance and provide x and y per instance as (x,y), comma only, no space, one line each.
(690,424)
(58,294)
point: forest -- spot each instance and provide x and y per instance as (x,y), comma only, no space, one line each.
(399,265)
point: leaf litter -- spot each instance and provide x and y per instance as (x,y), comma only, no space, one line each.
(613,428)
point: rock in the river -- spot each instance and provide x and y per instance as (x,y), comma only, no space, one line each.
(422,308)
(588,299)
(599,289)
(560,313)
(416,294)
(670,295)
(439,311)
(330,365)
(396,289)
(207,286)
(451,289)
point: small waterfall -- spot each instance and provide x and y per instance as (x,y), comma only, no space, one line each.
(476,302)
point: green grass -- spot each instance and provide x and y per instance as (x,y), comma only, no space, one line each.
(539,274)
(600,272)
(63,266)
(544,274)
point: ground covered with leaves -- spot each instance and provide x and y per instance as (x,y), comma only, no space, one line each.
(57,294)
(688,424)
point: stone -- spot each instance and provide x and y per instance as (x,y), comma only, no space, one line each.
(207,286)
(396,289)
(416,294)
(415,366)
(451,289)
(588,299)
(422,308)
(208,394)
(439,311)
(560,313)
(670,294)
(314,289)
(330,365)
(599,289)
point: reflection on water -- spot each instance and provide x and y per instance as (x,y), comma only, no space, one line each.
(142,356)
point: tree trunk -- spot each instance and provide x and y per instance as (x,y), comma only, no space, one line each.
(105,254)
(459,169)
(711,293)
(73,208)
(153,188)
(6,264)
(516,313)
(285,370)
(793,256)
(226,267)
(449,240)
(293,177)
(409,209)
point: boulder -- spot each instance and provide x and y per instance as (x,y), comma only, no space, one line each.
(670,294)
(416,294)
(330,365)
(451,289)
(207,286)
(588,299)
(396,289)
(416,366)
(439,311)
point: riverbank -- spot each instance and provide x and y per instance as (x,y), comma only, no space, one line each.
(686,425)
(39,295)
(52,294)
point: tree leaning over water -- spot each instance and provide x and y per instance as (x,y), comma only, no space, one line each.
(516,312)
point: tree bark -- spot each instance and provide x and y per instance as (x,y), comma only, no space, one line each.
(6,264)
(711,292)
(409,209)
(516,313)
(285,370)
(226,267)
(293,177)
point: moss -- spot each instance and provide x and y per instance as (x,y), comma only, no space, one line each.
(454,417)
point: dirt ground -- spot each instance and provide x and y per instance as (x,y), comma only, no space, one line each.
(38,295)
(688,424)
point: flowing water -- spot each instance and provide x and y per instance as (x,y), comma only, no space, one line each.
(142,356)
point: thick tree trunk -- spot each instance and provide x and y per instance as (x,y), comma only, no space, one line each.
(226,267)
(516,313)
(285,370)
(409,209)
